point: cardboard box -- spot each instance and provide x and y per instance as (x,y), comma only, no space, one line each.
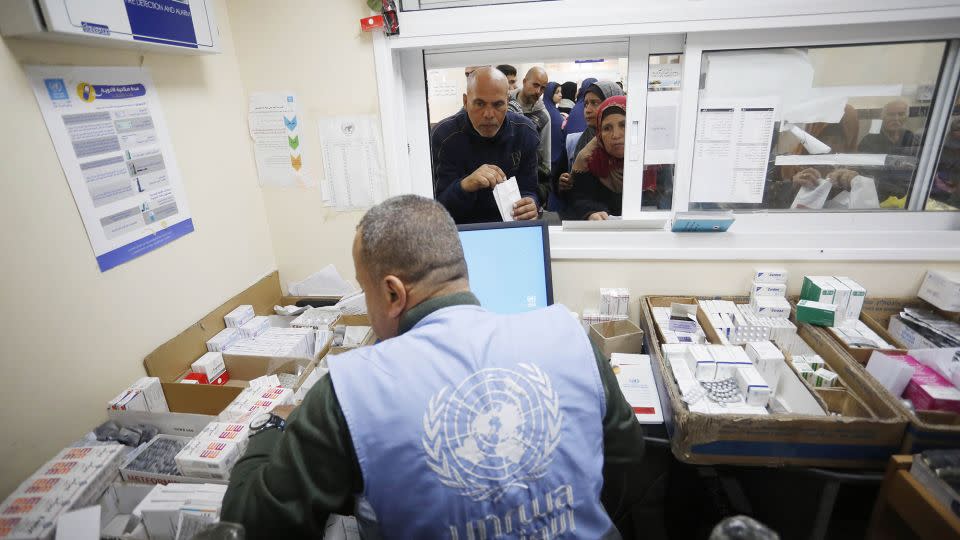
(926,429)
(862,354)
(942,289)
(617,337)
(171,361)
(180,424)
(908,336)
(853,441)
(116,508)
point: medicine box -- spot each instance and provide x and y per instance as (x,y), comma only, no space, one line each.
(818,289)
(941,289)
(841,299)
(701,362)
(824,378)
(768,289)
(146,394)
(930,391)
(770,275)
(857,297)
(774,307)
(210,365)
(753,387)
(209,458)
(816,313)
(238,316)
(224,339)
(255,326)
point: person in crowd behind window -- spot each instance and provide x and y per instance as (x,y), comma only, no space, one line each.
(556,121)
(481,146)
(894,137)
(841,138)
(576,122)
(575,142)
(568,98)
(894,180)
(511,73)
(946,184)
(597,191)
(470,69)
(527,101)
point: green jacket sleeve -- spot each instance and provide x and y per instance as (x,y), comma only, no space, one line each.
(288,483)
(622,446)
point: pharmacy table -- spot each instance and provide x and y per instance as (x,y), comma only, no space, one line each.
(813,489)
(906,509)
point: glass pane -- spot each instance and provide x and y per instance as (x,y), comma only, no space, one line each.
(816,129)
(461,144)
(945,192)
(663,121)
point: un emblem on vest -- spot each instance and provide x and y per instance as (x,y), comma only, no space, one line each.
(495,431)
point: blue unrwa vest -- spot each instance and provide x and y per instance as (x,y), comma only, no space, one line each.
(475,425)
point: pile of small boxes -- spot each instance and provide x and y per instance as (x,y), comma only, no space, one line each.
(830,301)
(74,479)
(811,369)
(678,330)
(614,306)
(768,294)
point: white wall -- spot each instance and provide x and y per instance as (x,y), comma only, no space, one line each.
(73,337)
(316,50)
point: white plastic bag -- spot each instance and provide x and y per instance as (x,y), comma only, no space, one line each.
(863,193)
(813,198)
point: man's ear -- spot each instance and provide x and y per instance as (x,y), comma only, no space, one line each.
(396,295)
(464,100)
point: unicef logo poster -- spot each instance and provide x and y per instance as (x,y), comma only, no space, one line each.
(495,431)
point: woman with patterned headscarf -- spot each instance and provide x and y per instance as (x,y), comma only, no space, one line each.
(597,191)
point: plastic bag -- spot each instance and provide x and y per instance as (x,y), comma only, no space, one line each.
(813,198)
(863,193)
(742,528)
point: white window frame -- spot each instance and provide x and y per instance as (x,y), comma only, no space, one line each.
(759,235)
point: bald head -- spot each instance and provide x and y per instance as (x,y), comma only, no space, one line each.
(486,76)
(534,83)
(894,119)
(486,100)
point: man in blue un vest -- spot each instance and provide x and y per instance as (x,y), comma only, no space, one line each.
(459,424)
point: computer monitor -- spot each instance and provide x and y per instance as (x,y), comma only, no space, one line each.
(509,264)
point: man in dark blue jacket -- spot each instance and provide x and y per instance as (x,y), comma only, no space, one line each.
(482,146)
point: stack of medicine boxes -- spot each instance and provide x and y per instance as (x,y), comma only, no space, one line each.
(830,301)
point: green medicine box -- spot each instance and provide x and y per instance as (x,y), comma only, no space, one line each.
(818,289)
(816,313)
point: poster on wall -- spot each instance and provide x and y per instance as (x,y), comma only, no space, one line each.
(353,168)
(277,146)
(112,141)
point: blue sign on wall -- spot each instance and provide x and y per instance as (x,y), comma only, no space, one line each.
(162,21)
